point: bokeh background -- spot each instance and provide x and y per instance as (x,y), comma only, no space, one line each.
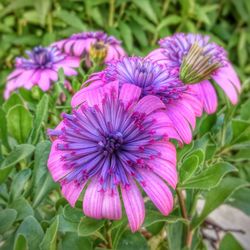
(42,215)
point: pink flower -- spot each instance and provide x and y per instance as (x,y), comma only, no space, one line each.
(196,60)
(40,69)
(95,43)
(115,141)
(181,102)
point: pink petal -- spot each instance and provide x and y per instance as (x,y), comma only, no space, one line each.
(185,110)
(71,191)
(78,48)
(80,97)
(111,207)
(44,81)
(157,191)
(68,46)
(72,61)
(129,94)
(164,126)
(227,87)
(194,102)
(95,97)
(180,124)
(24,79)
(166,170)
(208,96)
(134,205)
(55,164)
(14,74)
(148,104)
(93,200)
(230,73)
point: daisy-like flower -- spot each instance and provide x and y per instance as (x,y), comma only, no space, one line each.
(196,60)
(40,68)
(181,102)
(91,46)
(115,141)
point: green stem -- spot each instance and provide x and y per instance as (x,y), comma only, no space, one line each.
(108,235)
(111,12)
(189,234)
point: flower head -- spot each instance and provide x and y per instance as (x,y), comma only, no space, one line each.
(92,46)
(196,60)
(40,68)
(181,103)
(114,140)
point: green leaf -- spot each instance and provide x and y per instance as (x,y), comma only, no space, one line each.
(3,129)
(146,7)
(130,241)
(19,182)
(244,110)
(188,168)
(210,177)
(42,8)
(23,208)
(126,35)
(66,225)
(170,20)
(41,117)
(72,214)
(89,226)
(7,218)
(156,217)
(217,196)
(229,242)
(71,19)
(19,122)
(73,242)
(19,153)
(13,100)
(43,182)
(241,131)
(49,240)
(21,243)
(240,200)
(32,231)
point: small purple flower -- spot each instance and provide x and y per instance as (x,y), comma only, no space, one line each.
(196,60)
(40,68)
(115,140)
(181,102)
(92,44)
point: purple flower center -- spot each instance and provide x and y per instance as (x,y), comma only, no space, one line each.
(151,77)
(40,58)
(111,143)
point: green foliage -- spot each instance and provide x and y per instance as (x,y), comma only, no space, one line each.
(214,167)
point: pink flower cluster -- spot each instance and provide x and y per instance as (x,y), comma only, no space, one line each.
(41,65)
(117,140)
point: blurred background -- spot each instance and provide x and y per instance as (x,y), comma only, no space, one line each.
(140,24)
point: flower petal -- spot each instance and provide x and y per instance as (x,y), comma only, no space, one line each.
(157,191)
(227,87)
(134,205)
(71,191)
(129,94)
(148,104)
(93,200)
(111,207)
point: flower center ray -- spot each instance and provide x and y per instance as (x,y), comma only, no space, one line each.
(119,147)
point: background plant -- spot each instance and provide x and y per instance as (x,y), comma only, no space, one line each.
(215,167)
